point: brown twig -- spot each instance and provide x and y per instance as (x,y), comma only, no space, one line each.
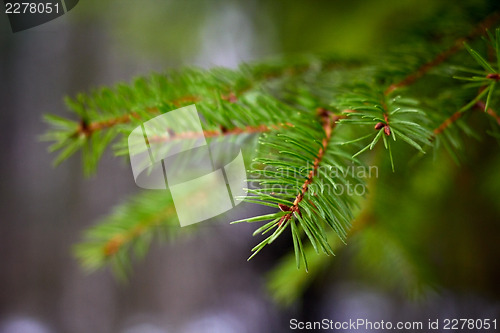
(87,129)
(115,243)
(214,133)
(329,123)
(481,105)
(447,122)
(457,45)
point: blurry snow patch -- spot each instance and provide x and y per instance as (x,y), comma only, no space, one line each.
(214,322)
(23,325)
(144,328)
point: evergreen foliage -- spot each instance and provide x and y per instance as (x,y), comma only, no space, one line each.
(318,118)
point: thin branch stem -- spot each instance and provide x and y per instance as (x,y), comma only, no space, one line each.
(222,132)
(329,124)
(119,240)
(447,122)
(481,105)
(87,129)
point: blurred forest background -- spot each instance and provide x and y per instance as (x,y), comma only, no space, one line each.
(449,214)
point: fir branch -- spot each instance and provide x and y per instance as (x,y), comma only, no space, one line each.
(329,122)
(486,80)
(87,129)
(279,101)
(371,109)
(310,162)
(254,79)
(227,99)
(128,230)
(480,29)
